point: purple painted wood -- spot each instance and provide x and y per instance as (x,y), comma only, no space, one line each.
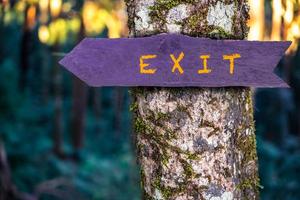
(116,62)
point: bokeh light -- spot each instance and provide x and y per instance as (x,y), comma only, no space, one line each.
(44,34)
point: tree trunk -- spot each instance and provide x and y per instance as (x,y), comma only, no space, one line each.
(8,190)
(58,110)
(194,143)
(118,102)
(26,48)
(78,114)
(96,102)
(79,107)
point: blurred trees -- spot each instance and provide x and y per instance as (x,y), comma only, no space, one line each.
(276,110)
(39,105)
(38,98)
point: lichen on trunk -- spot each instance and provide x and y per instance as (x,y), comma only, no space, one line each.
(194,143)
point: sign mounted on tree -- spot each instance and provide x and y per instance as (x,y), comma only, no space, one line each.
(170,60)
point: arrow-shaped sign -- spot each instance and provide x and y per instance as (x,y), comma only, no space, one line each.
(170,60)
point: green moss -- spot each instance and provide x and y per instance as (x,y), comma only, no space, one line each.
(169,192)
(188,170)
(170,135)
(162,6)
(157,117)
(193,156)
(246,144)
(219,33)
(141,127)
(248,147)
(196,23)
(249,184)
(159,10)
(193,20)
(165,159)
(133,107)
(142,178)
(166,191)
(162,116)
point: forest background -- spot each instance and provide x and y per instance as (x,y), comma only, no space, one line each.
(60,139)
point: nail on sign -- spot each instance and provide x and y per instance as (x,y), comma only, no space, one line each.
(169,60)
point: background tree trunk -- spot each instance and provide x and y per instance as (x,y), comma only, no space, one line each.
(96,102)
(194,143)
(8,190)
(118,102)
(79,98)
(78,115)
(26,44)
(58,109)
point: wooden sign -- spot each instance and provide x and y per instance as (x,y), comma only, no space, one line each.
(170,60)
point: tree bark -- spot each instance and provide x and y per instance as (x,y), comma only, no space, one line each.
(79,98)
(26,48)
(96,102)
(58,110)
(194,143)
(78,114)
(118,102)
(8,190)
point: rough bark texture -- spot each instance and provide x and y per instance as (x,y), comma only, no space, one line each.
(194,143)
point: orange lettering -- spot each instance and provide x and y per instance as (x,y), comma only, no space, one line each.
(176,63)
(231,59)
(143,65)
(205,69)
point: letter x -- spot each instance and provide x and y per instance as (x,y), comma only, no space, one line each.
(176,63)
